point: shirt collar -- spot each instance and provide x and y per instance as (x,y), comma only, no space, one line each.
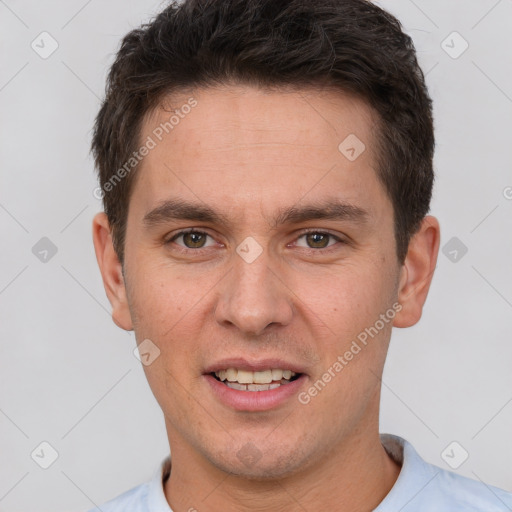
(156,500)
(415,474)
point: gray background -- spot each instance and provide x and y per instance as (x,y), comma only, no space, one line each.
(68,375)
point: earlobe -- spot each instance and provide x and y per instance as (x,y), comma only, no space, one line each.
(417,272)
(111,271)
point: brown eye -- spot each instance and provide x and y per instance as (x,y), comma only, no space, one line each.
(317,240)
(191,239)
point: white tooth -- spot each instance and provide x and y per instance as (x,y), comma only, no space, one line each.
(236,385)
(257,387)
(277,374)
(293,374)
(231,374)
(287,374)
(244,377)
(264,377)
(221,375)
(273,386)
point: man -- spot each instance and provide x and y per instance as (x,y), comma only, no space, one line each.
(266,172)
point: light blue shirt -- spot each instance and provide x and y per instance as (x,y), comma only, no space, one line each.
(420,487)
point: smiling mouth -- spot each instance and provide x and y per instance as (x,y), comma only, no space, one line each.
(243,380)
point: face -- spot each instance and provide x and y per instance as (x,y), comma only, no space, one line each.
(255,243)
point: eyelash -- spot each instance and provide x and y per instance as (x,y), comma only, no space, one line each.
(327,249)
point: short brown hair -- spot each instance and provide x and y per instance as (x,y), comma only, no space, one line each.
(349,45)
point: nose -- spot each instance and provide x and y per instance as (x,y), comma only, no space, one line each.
(253,297)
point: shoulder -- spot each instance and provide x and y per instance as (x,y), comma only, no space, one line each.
(133,500)
(424,487)
(463,493)
(146,497)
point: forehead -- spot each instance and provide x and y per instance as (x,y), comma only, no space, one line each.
(242,115)
(242,145)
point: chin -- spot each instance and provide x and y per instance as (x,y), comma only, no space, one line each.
(253,463)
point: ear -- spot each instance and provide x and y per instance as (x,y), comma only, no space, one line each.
(417,272)
(111,271)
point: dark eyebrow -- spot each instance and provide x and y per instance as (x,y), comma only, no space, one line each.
(178,209)
(331,209)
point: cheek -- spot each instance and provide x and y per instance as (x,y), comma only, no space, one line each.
(166,383)
(167,307)
(347,298)
(163,300)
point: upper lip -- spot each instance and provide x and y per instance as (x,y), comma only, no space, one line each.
(241,363)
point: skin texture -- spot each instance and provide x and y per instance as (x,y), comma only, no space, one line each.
(247,153)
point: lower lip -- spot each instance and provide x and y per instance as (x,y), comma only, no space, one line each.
(255,400)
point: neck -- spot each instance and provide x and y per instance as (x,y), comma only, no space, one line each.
(355,475)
